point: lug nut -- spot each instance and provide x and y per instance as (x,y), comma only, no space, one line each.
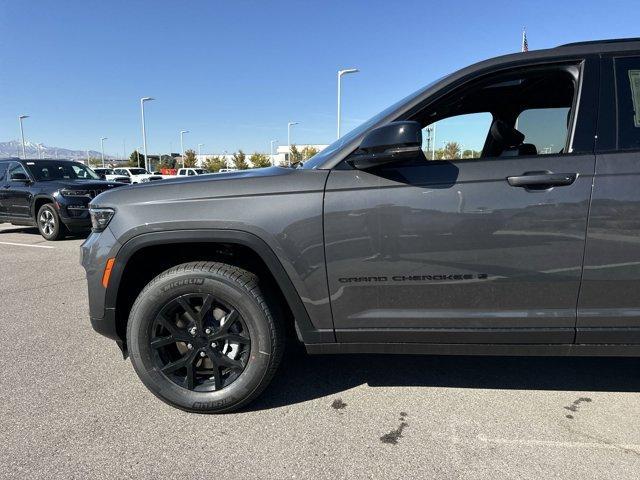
(202,354)
(214,344)
(207,331)
(193,331)
(189,346)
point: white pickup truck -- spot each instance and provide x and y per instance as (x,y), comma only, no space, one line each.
(185,172)
(137,175)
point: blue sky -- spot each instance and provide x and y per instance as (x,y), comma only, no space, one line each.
(235,72)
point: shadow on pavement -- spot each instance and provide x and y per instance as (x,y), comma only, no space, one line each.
(29,230)
(35,231)
(301,377)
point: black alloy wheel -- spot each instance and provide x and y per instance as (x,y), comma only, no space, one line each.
(200,343)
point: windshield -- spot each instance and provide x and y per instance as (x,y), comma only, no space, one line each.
(320,157)
(138,171)
(60,170)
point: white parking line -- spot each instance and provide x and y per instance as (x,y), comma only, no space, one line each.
(566,444)
(25,245)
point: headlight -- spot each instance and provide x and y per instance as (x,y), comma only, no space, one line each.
(68,192)
(100,218)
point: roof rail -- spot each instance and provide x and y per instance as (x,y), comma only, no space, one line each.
(593,42)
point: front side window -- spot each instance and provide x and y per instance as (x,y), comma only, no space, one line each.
(515,114)
(16,170)
(628,102)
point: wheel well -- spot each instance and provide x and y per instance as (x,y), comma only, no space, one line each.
(148,262)
(38,203)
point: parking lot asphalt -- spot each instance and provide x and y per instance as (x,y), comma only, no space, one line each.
(72,408)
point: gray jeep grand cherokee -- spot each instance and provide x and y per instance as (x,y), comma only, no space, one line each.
(528,244)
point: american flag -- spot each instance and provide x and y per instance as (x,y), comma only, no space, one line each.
(525,44)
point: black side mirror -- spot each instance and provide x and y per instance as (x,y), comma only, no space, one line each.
(387,144)
(20,177)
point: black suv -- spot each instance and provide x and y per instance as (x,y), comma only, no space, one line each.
(50,194)
(524,242)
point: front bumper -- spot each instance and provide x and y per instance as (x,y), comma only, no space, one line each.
(94,252)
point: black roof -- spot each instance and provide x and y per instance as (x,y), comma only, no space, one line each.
(597,42)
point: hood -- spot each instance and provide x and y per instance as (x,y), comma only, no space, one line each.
(83,184)
(255,181)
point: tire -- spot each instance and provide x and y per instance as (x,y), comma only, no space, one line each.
(178,345)
(49,224)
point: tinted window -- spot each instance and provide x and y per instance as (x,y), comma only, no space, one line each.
(15,168)
(3,169)
(53,170)
(628,99)
(545,128)
(138,171)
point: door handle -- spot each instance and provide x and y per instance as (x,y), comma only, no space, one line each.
(542,179)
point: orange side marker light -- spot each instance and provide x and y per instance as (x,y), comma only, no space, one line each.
(107,272)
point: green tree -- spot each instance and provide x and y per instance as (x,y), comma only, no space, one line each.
(308,152)
(214,164)
(259,160)
(190,159)
(240,160)
(470,154)
(133,159)
(95,162)
(294,155)
(451,151)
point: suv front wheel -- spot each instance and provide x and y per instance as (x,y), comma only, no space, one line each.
(49,223)
(202,338)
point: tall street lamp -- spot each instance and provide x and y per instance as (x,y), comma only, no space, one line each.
(144,132)
(289,125)
(20,118)
(102,139)
(340,74)
(182,132)
(200,149)
(271,150)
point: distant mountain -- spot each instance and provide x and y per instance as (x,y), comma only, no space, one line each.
(13,149)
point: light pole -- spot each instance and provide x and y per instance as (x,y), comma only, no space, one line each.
(340,74)
(200,149)
(20,118)
(271,150)
(289,125)
(182,132)
(102,139)
(144,132)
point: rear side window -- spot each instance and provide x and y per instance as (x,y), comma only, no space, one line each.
(628,102)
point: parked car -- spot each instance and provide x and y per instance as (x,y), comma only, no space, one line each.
(191,172)
(137,175)
(109,175)
(183,172)
(528,245)
(52,195)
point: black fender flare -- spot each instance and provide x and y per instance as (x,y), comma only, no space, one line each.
(39,196)
(305,329)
